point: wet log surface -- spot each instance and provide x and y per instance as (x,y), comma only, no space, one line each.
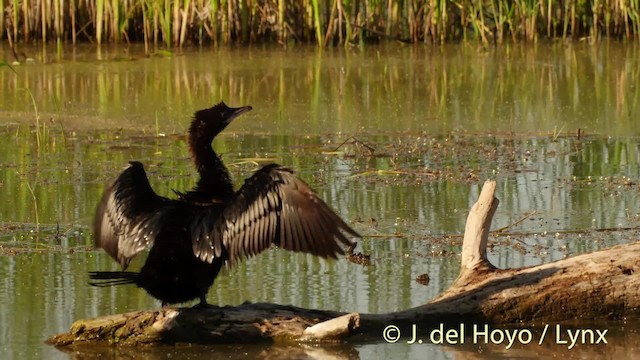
(587,288)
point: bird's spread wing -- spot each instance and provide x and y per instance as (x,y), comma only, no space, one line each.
(129,215)
(272,207)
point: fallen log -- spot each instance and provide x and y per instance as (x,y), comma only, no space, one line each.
(582,289)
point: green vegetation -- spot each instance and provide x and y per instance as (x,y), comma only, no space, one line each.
(325,22)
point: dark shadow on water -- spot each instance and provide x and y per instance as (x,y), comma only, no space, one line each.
(194,352)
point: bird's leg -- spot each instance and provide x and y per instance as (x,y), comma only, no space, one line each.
(203,303)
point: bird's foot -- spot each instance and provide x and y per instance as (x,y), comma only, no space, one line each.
(203,304)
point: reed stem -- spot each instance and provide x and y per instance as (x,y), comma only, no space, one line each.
(189,22)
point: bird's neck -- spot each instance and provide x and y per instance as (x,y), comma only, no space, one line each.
(215,182)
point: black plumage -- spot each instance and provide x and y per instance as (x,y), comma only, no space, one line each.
(194,236)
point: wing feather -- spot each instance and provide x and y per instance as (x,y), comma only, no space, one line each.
(273,228)
(275,207)
(129,216)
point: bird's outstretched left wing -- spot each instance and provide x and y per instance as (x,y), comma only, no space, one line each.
(272,207)
(129,215)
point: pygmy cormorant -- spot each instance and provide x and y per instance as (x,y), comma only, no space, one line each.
(193,236)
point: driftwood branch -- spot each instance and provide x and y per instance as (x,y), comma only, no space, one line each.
(476,232)
(586,288)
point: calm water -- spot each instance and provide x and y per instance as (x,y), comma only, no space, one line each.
(397,139)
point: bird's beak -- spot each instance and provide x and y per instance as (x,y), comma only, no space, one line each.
(235,112)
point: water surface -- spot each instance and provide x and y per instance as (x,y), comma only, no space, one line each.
(397,139)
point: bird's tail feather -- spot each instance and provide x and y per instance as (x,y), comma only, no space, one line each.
(110,278)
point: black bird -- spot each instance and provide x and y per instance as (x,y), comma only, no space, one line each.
(193,236)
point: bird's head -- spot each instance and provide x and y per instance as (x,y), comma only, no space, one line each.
(208,123)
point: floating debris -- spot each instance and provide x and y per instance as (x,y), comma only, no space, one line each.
(423,279)
(358,258)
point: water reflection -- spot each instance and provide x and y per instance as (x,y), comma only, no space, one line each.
(549,89)
(187,351)
(412,215)
(406,182)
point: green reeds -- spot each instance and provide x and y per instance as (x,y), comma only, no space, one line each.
(99,15)
(16,21)
(325,22)
(35,207)
(40,130)
(317,23)
(2,19)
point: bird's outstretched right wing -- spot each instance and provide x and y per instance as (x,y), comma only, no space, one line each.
(272,207)
(129,215)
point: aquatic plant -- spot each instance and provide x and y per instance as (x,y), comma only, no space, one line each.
(325,22)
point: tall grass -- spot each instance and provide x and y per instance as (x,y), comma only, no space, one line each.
(324,22)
